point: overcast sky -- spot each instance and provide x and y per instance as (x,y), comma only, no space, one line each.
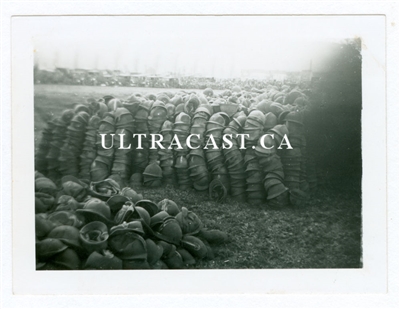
(211,46)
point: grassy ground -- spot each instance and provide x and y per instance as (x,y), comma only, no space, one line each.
(325,233)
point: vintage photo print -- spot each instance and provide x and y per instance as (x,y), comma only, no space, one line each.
(199,154)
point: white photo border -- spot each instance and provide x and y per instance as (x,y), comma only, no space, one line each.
(373,285)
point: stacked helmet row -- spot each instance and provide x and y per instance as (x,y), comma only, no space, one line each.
(253,173)
(101,226)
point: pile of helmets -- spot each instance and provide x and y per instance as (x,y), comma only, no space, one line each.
(44,144)
(101,226)
(124,125)
(254,127)
(89,148)
(220,184)
(234,159)
(197,162)
(101,166)
(140,155)
(166,154)
(242,173)
(157,117)
(72,148)
(269,160)
(181,131)
(56,140)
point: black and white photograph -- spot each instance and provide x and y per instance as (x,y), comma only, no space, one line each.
(198,147)
(217,146)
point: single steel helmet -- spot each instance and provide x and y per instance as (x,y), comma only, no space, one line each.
(67,259)
(116,177)
(270,121)
(141,214)
(74,187)
(124,212)
(167,126)
(292,96)
(236,88)
(67,115)
(213,236)
(39,175)
(153,170)
(229,109)
(81,108)
(49,247)
(104,260)
(240,119)
(42,225)
(154,251)
(217,191)
(179,109)
(282,116)
(169,206)
(187,258)
(158,110)
(131,194)
(194,246)
(268,147)
(191,104)
(280,129)
(103,109)
(79,122)
(301,102)
(104,189)
(296,117)
(268,183)
(170,230)
(45,185)
(96,210)
(64,217)
(128,245)
(151,96)
(276,108)
(205,108)
(263,106)
(174,261)
(163,97)
(276,190)
(189,222)
(257,116)
(123,118)
(208,92)
(149,206)
(43,202)
(127,227)
(116,202)
(94,236)
(113,104)
(157,219)
(182,118)
(168,249)
(67,234)
(107,98)
(176,99)
(170,110)
(93,105)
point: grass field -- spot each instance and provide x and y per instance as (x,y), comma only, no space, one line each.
(325,233)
